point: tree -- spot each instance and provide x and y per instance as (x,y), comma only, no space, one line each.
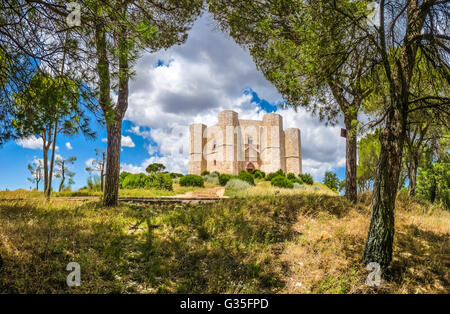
(331,180)
(47,107)
(407,29)
(36,171)
(155,168)
(62,171)
(312,57)
(98,165)
(122,30)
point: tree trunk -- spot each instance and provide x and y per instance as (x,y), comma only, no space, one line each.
(351,187)
(111,193)
(412,176)
(102,173)
(52,161)
(45,161)
(381,231)
(61,185)
(114,130)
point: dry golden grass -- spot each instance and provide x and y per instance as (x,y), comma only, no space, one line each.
(264,188)
(305,243)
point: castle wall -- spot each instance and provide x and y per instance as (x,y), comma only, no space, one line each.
(293,151)
(232,144)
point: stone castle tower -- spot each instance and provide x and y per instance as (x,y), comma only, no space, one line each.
(233,145)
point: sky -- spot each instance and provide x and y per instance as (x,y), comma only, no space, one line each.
(189,83)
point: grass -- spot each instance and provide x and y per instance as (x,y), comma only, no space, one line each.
(177,189)
(264,188)
(304,243)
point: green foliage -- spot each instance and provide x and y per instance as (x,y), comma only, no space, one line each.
(174,175)
(122,177)
(161,181)
(135,181)
(212,178)
(433,183)
(331,180)
(155,168)
(237,185)
(224,178)
(192,180)
(291,176)
(270,176)
(245,176)
(306,178)
(204,173)
(258,174)
(282,182)
(368,152)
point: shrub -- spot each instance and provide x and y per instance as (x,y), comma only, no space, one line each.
(282,182)
(224,178)
(160,181)
(135,181)
(215,173)
(258,174)
(306,178)
(192,180)
(211,178)
(174,175)
(237,185)
(275,174)
(291,176)
(122,177)
(204,173)
(299,186)
(245,176)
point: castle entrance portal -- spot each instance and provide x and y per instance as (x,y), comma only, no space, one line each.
(250,167)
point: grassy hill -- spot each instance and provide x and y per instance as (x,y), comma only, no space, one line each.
(297,243)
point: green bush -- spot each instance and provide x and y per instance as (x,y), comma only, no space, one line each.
(211,178)
(122,177)
(224,178)
(237,185)
(162,181)
(282,182)
(278,173)
(215,173)
(306,178)
(135,181)
(192,180)
(291,176)
(245,176)
(174,175)
(204,173)
(258,174)
(433,183)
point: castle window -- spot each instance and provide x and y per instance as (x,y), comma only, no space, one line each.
(250,140)
(214,162)
(214,145)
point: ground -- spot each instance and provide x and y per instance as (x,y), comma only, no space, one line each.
(308,241)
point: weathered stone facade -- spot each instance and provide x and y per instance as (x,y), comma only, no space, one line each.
(233,145)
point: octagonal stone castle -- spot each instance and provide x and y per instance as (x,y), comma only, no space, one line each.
(233,145)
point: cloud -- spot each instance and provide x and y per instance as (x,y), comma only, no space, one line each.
(31,142)
(193,82)
(68,146)
(126,141)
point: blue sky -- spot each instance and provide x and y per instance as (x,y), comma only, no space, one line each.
(186,84)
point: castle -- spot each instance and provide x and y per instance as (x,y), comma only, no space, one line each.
(233,145)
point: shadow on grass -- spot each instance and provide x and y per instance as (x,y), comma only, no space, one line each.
(421,260)
(227,247)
